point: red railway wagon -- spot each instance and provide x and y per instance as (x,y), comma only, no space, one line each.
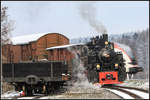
(32,47)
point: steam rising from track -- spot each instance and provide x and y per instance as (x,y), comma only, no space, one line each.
(79,71)
(88,12)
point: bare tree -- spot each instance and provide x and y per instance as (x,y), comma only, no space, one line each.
(142,53)
(6,26)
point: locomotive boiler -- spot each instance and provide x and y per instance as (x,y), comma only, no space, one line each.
(104,64)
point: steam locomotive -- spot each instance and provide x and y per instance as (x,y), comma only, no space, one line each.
(105,66)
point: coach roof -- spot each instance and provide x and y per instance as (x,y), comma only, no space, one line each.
(25,39)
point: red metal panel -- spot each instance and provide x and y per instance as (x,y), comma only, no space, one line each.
(102,75)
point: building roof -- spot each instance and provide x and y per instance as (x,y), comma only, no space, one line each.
(25,39)
(64,46)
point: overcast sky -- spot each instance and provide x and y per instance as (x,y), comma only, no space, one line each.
(33,17)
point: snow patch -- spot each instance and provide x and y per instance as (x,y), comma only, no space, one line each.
(142,94)
(25,39)
(144,84)
(125,96)
(10,94)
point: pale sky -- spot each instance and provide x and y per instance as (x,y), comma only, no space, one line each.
(33,17)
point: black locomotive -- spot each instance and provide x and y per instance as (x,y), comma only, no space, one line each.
(104,64)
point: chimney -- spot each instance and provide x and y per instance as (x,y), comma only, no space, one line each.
(105,37)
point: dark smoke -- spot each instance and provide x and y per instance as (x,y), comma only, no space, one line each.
(89,13)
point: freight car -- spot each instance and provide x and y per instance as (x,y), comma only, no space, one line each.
(35,77)
(104,64)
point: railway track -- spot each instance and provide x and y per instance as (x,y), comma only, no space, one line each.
(128,92)
(121,91)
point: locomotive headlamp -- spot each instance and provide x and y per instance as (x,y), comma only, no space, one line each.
(116,65)
(98,66)
(106,42)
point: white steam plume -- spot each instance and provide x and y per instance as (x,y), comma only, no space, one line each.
(88,12)
(79,71)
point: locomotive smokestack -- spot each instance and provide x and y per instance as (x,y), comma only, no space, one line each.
(105,37)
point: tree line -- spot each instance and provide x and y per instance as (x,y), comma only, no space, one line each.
(139,44)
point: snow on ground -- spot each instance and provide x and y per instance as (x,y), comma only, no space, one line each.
(10,94)
(144,84)
(84,93)
(26,98)
(124,95)
(142,94)
(71,93)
